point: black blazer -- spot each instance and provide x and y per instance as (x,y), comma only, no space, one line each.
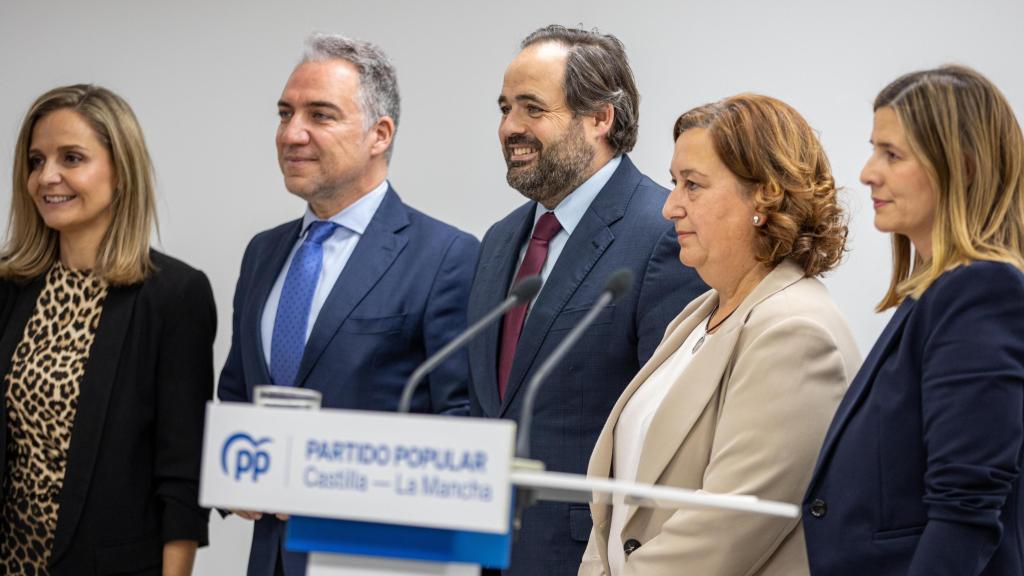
(131,481)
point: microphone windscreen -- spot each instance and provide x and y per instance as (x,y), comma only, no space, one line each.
(527,288)
(619,283)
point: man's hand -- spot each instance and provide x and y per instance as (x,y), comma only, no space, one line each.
(248,514)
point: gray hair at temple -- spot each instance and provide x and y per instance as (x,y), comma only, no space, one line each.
(378,84)
(597,73)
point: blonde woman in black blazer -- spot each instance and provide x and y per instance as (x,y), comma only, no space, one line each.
(105,352)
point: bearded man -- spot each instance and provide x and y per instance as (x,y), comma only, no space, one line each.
(569,110)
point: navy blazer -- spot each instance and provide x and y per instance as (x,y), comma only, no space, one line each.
(132,477)
(920,471)
(400,298)
(622,228)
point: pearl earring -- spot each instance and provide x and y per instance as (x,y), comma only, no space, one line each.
(757,220)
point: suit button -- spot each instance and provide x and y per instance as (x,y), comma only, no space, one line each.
(630,546)
(818,508)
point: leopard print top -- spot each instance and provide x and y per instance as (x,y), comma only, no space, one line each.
(42,398)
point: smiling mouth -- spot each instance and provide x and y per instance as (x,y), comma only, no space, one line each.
(54,199)
(520,151)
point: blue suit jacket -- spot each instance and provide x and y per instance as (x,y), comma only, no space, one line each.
(920,471)
(400,298)
(623,228)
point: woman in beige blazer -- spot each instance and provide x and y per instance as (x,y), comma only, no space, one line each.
(738,396)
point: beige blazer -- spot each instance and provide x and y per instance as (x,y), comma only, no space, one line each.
(746,416)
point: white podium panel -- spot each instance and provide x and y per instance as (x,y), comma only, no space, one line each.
(404,469)
(347,565)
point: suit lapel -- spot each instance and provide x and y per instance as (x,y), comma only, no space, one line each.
(25,297)
(687,321)
(586,245)
(688,399)
(689,396)
(375,252)
(251,327)
(499,270)
(683,405)
(14,328)
(580,254)
(862,384)
(93,399)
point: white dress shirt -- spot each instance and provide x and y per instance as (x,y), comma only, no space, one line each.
(337,249)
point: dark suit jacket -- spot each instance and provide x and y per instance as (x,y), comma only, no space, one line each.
(623,228)
(132,474)
(920,471)
(400,298)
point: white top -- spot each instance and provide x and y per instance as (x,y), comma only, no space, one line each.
(631,431)
(352,223)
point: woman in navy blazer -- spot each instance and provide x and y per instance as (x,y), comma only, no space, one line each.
(920,473)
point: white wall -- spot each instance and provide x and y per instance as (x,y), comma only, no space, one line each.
(204,78)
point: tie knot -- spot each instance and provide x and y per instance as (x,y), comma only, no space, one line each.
(319,231)
(547,227)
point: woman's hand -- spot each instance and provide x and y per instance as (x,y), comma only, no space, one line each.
(179,555)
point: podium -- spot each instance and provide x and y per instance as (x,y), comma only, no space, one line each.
(375,493)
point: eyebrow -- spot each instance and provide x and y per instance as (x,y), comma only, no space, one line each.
(690,171)
(884,144)
(523,98)
(64,148)
(313,104)
(529,98)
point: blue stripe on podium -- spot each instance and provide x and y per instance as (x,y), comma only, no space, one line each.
(307,534)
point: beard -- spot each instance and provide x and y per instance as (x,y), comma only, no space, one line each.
(559,169)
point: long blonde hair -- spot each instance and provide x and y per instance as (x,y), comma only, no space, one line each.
(963,131)
(31,247)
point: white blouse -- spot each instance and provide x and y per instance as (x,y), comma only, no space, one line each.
(631,430)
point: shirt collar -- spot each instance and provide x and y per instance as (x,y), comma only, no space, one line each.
(356,217)
(572,208)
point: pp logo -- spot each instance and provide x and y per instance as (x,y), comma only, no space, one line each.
(242,456)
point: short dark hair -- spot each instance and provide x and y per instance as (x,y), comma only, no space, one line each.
(597,72)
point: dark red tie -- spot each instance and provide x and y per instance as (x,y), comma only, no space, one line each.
(536,253)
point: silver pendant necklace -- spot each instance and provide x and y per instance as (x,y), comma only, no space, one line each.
(708,328)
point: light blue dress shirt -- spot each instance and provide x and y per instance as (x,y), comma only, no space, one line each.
(569,213)
(352,223)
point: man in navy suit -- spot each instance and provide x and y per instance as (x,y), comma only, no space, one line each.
(569,109)
(352,297)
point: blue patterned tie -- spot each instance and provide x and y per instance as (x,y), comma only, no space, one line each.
(289,339)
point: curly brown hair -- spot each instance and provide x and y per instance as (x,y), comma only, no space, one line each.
(768,145)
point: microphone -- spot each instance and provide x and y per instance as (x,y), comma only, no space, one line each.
(522,293)
(620,282)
